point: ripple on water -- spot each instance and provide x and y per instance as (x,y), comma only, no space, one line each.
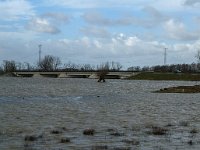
(121,112)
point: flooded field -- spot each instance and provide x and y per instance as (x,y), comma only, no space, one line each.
(65,114)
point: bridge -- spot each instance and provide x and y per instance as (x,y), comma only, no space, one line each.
(75,74)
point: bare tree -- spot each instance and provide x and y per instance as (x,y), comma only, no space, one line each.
(118,66)
(27,66)
(115,66)
(19,66)
(9,66)
(198,56)
(1,70)
(49,63)
(56,62)
(198,59)
(102,71)
(134,68)
(71,66)
(87,67)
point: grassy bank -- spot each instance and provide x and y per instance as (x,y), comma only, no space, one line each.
(166,76)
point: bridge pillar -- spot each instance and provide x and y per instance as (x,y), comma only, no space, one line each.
(62,75)
(93,76)
(37,75)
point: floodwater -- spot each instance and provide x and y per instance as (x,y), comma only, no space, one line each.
(37,113)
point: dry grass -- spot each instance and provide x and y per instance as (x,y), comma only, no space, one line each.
(132,141)
(158,131)
(194,131)
(65,140)
(181,89)
(56,132)
(89,132)
(100,147)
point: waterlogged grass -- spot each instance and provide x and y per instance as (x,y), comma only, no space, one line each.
(166,76)
(181,89)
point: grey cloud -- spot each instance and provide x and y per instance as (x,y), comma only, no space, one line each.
(155,14)
(191,2)
(153,18)
(97,19)
(177,31)
(42,25)
(48,22)
(95,32)
(100,20)
(60,17)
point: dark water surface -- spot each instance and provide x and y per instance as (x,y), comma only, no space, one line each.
(123,114)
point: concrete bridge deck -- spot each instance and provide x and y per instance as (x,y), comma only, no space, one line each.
(75,74)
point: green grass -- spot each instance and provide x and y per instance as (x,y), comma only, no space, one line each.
(166,76)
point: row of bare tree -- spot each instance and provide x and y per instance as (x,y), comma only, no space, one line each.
(53,63)
(185,68)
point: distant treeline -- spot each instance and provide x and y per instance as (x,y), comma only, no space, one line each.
(184,68)
(53,63)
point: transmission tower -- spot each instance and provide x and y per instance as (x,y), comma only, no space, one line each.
(40,51)
(165,56)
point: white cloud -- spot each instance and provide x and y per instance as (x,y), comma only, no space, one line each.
(120,48)
(131,41)
(97,44)
(126,49)
(42,25)
(177,31)
(15,9)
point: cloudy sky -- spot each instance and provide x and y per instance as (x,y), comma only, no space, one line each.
(132,32)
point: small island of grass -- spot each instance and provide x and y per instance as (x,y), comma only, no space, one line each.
(171,76)
(181,89)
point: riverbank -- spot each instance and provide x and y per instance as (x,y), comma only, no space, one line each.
(7,75)
(166,76)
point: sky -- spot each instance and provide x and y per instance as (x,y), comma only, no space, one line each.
(131,32)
